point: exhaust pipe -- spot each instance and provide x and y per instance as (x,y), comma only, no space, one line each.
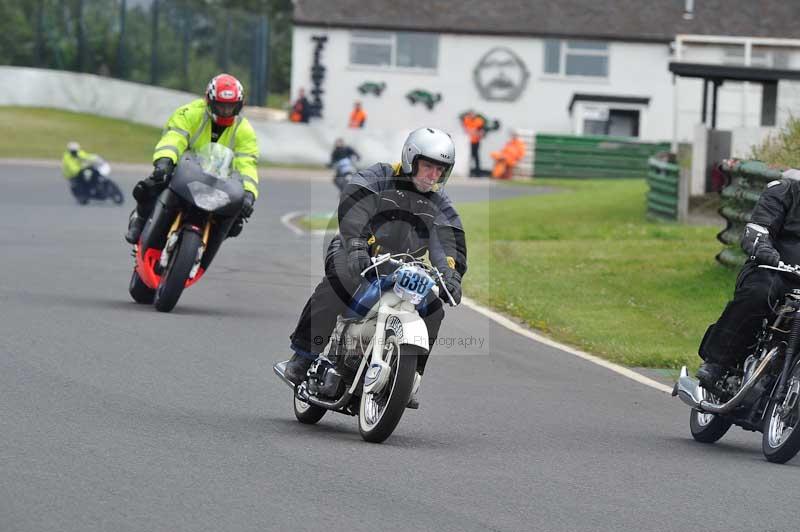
(690,392)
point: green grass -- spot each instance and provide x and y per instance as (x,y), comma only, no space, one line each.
(43,134)
(318,221)
(586,268)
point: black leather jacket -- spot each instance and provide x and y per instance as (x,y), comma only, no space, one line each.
(383,207)
(778,210)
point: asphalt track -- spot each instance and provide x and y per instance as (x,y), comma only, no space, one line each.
(114,417)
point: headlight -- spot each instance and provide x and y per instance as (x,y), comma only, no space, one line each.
(208,198)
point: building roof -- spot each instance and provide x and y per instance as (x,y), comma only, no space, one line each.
(731,72)
(631,20)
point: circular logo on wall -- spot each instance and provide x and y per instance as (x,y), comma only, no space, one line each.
(500,75)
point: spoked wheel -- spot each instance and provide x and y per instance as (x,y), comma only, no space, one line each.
(380,412)
(707,428)
(140,292)
(781,438)
(307,413)
(180,265)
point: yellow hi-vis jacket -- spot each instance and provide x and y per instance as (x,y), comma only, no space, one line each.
(71,166)
(189,127)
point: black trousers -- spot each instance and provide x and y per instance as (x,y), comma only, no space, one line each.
(758,292)
(476,158)
(331,297)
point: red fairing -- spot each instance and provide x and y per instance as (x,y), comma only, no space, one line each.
(145,267)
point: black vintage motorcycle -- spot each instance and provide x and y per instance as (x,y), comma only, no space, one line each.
(190,220)
(759,395)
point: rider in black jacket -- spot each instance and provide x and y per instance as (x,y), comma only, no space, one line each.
(387,208)
(771,237)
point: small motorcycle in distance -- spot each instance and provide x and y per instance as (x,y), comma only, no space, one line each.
(96,184)
(344,169)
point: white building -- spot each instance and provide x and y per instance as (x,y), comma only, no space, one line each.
(567,66)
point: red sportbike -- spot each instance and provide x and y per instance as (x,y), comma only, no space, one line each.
(190,220)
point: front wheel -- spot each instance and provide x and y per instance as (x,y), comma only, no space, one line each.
(177,272)
(306,413)
(113,192)
(140,292)
(707,428)
(379,413)
(781,438)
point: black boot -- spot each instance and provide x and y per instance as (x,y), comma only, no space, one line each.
(709,373)
(135,226)
(296,368)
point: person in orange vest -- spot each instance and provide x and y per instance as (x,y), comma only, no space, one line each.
(474,128)
(507,158)
(300,108)
(358,117)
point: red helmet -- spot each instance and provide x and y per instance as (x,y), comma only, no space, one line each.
(225,97)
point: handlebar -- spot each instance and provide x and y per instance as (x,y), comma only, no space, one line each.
(783,267)
(389,258)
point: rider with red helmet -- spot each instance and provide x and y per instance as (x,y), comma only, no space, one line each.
(215,118)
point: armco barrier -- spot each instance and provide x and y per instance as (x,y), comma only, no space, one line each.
(663,196)
(592,156)
(745,182)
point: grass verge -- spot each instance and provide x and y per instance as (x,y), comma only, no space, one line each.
(585,267)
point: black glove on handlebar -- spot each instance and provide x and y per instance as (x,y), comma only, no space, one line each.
(162,169)
(358,258)
(452,281)
(768,255)
(247,204)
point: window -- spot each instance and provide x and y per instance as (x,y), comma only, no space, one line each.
(576,58)
(398,49)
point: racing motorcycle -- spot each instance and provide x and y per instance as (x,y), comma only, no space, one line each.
(368,368)
(97,184)
(190,220)
(759,395)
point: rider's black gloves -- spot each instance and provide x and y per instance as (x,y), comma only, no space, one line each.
(162,169)
(757,243)
(452,280)
(766,254)
(358,258)
(247,204)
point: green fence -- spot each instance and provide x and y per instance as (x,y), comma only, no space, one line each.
(746,180)
(663,196)
(592,156)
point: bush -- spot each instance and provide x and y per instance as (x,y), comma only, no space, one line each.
(782,149)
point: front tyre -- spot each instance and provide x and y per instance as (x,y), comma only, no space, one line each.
(781,435)
(707,428)
(379,413)
(306,413)
(113,192)
(140,292)
(177,272)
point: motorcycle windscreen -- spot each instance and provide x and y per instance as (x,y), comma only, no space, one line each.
(205,178)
